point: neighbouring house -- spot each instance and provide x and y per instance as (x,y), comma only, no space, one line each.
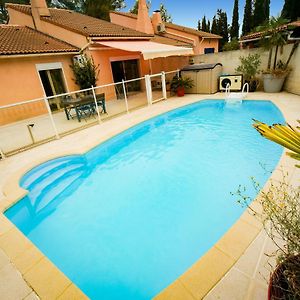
(32,64)
(252,40)
(120,52)
(202,42)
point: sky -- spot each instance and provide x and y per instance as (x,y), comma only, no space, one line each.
(187,12)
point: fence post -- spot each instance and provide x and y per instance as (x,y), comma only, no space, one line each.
(125,95)
(148,89)
(51,117)
(163,84)
(96,104)
(178,72)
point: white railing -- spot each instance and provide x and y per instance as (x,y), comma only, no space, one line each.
(29,123)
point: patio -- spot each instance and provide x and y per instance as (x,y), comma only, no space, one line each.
(242,278)
(43,129)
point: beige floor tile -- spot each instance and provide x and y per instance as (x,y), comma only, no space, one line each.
(72,293)
(32,296)
(27,259)
(47,280)
(205,273)
(257,291)
(176,291)
(14,243)
(236,240)
(12,285)
(3,259)
(250,259)
(5,225)
(233,286)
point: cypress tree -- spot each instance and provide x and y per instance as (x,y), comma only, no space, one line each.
(258,13)
(203,26)
(261,12)
(234,30)
(222,27)
(208,26)
(267,9)
(247,21)
(199,25)
(291,10)
(214,26)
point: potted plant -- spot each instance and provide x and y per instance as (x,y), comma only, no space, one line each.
(275,35)
(280,216)
(249,67)
(179,84)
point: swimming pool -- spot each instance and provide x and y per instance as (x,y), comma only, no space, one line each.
(130,216)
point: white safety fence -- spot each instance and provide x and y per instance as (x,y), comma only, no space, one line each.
(29,123)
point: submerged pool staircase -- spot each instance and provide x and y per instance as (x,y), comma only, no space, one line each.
(236,97)
(49,181)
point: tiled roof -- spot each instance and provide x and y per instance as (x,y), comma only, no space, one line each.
(175,26)
(257,35)
(193,31)
(82,24)
(15,39)
(170,41)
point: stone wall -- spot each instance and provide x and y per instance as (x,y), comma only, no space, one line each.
(230,60)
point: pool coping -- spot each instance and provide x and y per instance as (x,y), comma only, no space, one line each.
(194,283)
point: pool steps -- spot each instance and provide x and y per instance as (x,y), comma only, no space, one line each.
(52,179)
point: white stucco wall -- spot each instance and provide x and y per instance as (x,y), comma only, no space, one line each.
(230,60)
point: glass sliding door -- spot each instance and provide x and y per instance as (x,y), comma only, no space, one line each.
(126,70)
(53,84)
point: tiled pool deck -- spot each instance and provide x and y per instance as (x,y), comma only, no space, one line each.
(235,268)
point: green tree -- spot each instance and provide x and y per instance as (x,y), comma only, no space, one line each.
(85,72)
(165,16)
(214,26)
(208,26)
(199,25)
(222,27)
(232,45)
(234,30)
(291,10)
(247,20)
(135,7)
(3,11)
(101,9)
(272,37)
(261,12)
(203,24)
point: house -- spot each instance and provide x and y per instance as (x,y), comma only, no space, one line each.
(252,40)
(31,64)
(120,52)
(202,42)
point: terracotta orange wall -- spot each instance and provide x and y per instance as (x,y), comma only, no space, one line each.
(70,37)
(19,81)
(123,20)
(199,44)
(17,18)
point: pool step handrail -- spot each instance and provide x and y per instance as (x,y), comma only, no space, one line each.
(236,97)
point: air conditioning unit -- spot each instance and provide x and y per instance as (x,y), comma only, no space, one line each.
(161,28)
(78,59)
(235,82)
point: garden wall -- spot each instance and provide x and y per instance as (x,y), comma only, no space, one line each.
(230,60)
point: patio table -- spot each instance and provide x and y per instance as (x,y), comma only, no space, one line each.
(84,106)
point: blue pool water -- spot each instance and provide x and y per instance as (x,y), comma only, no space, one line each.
(130,216)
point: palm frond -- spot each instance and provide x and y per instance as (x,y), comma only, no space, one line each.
(284,135)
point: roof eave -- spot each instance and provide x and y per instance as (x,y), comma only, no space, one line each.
(33,54)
